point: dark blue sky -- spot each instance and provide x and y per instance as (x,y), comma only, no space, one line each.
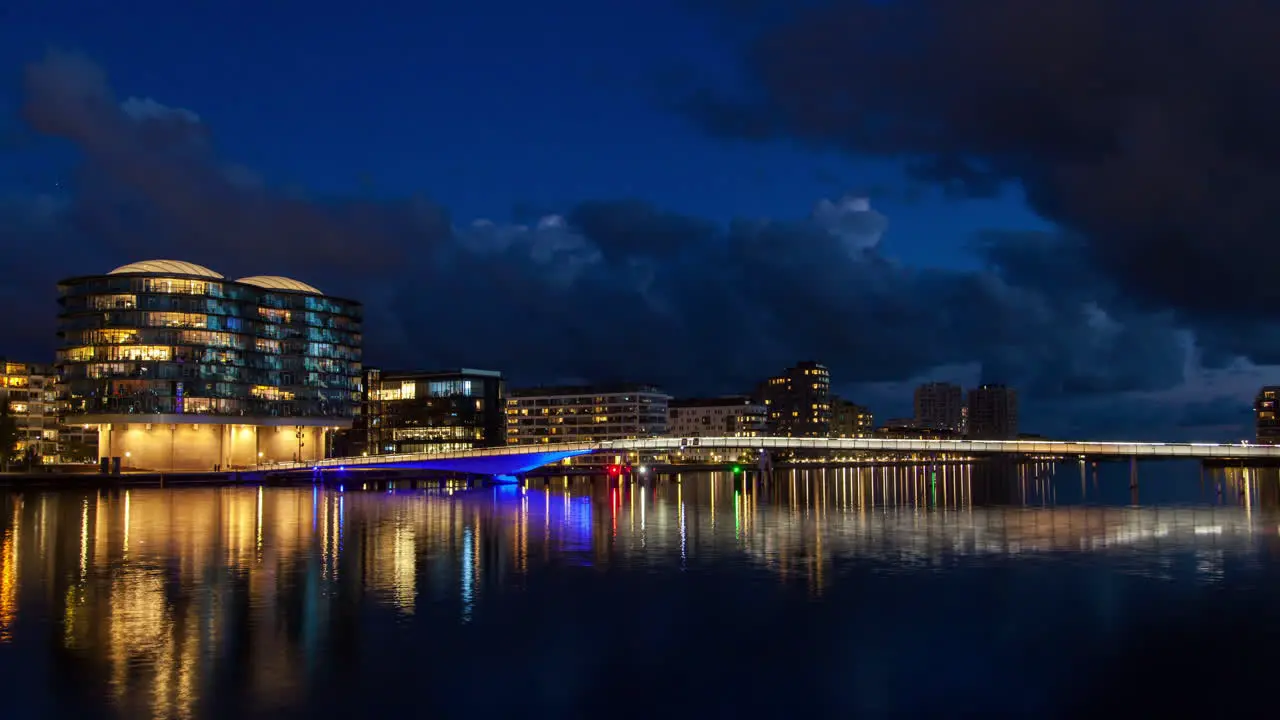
(484,106)
(510,111)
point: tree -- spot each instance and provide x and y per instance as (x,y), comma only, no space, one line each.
(8,436)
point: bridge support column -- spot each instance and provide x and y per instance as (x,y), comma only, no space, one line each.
(1133,479)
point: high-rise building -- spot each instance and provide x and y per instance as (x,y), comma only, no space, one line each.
(30,391)
(993,413)
(180,368)
(1266,422)
(585,414)
(443,411)
(798,401)
(850,420)
(716,417)
(940,406)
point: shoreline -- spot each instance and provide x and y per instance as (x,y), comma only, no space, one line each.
(91,478)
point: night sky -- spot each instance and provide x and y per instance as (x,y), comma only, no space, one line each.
(1074,197)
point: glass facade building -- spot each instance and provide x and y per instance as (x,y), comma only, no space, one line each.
(167,346)
(424,412)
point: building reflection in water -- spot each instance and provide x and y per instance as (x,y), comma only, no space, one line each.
(156,595)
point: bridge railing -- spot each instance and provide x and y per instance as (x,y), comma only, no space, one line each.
(408,458)
(1024,447)
(1043,448)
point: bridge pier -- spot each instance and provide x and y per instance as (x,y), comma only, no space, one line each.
(1133,479)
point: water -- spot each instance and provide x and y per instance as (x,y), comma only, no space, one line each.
(963,592)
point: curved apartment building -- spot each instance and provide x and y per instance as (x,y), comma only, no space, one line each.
(180,368)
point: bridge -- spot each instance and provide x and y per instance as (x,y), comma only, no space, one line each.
(517,459)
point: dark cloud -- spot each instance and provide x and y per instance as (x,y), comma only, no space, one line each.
(1145,126)
(602,290)
(701,308)
(152,185)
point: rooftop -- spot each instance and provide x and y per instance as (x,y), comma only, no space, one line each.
(176,267)
(579,390)
(726,401)
(277,282)
(179,267)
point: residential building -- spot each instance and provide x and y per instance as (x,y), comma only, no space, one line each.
(585,413)
(798,401)
(180,368)
(1266,422)
(572,414)
(850,420)
(906,429)
(940,406)
(735,416)
(30,391)
(993,413)
(441,411)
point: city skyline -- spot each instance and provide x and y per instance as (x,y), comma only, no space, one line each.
(630,252)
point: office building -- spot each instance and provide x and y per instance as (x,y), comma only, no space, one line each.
(716,417)
(940,406)
(850,420)
(30,392)
(798,401)
(442,411)
(180,368)
(993,413)
(1266,423)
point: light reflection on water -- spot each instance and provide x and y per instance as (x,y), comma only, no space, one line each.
(199,602)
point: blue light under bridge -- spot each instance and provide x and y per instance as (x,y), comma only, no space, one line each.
(513,464)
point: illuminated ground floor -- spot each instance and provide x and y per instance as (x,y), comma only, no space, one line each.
(176,444)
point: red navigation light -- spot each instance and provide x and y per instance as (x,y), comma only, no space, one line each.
(614,469)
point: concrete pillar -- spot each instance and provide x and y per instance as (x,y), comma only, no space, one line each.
(1133,480)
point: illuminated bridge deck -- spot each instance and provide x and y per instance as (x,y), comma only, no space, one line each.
(515,459)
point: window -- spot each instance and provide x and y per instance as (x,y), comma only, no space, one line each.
(113,302)
(183,287)
(175,319)
(449,388)
(267,392)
